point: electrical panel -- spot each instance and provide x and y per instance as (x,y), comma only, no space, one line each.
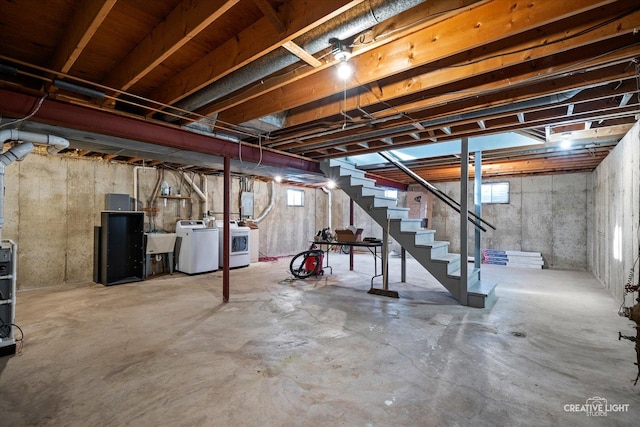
(7,297)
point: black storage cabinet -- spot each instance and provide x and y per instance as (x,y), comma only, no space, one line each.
(121,254)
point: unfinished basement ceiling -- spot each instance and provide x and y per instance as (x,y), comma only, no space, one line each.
(184,83)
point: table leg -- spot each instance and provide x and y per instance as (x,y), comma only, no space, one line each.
(403,267)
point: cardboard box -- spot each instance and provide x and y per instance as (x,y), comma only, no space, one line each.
(349,236)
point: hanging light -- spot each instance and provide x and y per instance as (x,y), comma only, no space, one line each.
(344,70)
(342,53)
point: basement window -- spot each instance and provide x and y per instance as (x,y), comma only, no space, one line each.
(495,192)
(391,194)
(295,197)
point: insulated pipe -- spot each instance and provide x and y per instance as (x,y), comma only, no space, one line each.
(326,190)
(135,184)
(81,90)
(55,143)
(271,203)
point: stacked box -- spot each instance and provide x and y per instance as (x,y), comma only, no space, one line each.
(512,258)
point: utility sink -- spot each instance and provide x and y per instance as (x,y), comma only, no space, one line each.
(160,243)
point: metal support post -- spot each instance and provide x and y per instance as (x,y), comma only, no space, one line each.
(464,217)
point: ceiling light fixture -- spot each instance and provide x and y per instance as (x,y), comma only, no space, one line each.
(342,53)
(565,144)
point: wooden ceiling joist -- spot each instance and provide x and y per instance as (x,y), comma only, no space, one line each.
(447,38)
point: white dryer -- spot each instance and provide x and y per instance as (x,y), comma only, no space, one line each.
(198,247)
(238,245)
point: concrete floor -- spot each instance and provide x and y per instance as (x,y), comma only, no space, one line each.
(319,352)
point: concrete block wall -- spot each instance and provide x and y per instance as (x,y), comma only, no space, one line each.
(52,204)
(614,212)
(546,214)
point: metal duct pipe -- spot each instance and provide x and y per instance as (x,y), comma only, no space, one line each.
(55,143)
(271,203)
(328,192)
(360,18)
(546,100)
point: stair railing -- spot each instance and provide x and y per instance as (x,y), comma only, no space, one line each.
(473,218)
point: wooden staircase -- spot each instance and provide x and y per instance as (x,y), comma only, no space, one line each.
(433,255)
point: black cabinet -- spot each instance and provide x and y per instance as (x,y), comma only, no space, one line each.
(121,247)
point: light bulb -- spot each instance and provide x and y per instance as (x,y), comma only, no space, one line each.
(344,70)
(277,178)
(331,184)
(565,144)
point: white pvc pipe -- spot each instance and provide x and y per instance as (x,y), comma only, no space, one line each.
(205,190)
(55,143)
(18,152)
(135,183)
(195,187)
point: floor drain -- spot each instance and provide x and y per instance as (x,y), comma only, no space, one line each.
(518,334)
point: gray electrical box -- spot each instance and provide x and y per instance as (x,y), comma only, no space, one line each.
(118,202)
(246,204)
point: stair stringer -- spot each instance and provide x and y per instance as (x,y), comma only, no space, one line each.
(431,254)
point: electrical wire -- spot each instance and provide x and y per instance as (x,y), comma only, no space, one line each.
(19,341)
(31,114)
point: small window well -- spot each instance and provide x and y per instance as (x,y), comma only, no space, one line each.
(495,192)
(295,197)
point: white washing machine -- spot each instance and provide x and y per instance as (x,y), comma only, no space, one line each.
(238,245)
(198,247)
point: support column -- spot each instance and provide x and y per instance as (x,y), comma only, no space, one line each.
(226,217)
(464,217)
(351,219)
(477,199)
(403,265)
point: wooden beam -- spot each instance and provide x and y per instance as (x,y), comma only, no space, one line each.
(505,97)
(532,49)
(80,29)
(595,134)
(271,14)
(401,25)
(302,54)
(249,45)
(560,164)
(473,28)
(185,22)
